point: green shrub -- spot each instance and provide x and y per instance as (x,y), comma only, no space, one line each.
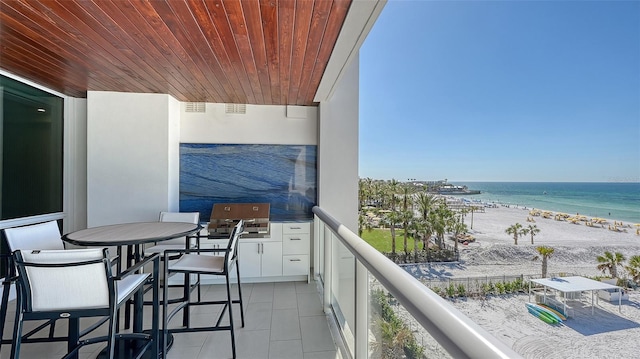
(500,287)
(394,334)
(483,289)
(508,287)
(518,285)
(413,350)
(451,290)
(462,290)
(491,288)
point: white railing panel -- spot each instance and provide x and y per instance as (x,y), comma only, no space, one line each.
(459,335)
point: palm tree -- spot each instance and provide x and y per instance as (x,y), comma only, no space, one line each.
(382,194)
(363,223)
(471,210)
(415,227)
(394,219)
(515,230)
(532,229)
(457,228)
(463,213)
(406,214)
(406,218)
(440,220)
(609,262)
(633,268)
(425,203)
(364,192)
(427,231)
(392,191)
(362,220)
(545,253)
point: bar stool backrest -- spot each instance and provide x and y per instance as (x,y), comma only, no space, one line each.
(187,217)
(232,249)
(55,280)
(37,236)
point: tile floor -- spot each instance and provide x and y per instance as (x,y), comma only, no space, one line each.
(282,320)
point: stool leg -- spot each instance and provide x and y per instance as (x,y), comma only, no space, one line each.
(240,293)
(186,311)
(6,288)
(165,311)
(230,305)
(17,330)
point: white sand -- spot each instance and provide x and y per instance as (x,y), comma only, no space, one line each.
(494,253)
(605,334)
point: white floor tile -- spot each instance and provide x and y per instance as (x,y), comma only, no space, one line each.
(282,320)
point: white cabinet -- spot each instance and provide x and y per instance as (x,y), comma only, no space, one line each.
(296,239)
(281,256)
(260,259)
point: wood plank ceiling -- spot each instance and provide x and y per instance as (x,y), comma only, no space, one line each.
(225,51)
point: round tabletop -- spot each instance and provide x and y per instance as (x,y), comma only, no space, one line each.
(130,233)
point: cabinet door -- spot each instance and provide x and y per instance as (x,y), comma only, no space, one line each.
(271,259)
(249,258)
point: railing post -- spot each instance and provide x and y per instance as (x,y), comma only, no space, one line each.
(328,271)
(362,311)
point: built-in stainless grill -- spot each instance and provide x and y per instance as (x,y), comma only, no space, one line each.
(224,216)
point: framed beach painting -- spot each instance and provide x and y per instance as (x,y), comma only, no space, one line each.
(282,175)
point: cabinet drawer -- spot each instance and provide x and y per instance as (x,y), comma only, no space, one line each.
(295,265)
(295,243)
(296,227)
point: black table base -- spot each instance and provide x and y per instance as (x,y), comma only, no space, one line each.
(128,348)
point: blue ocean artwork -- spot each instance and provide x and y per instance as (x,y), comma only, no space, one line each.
(282,175)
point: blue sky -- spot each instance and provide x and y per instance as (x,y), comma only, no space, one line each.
(502,91)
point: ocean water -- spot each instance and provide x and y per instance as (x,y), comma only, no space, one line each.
(611,200)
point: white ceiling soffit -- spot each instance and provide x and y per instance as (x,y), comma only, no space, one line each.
(360,19)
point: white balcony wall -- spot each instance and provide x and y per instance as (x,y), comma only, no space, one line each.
(338,150)
(338,193)
(132,156)
(133,147)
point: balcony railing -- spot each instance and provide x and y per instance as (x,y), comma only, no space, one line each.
(346,266)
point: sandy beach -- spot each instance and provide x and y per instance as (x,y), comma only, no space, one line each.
(607,333)
(576,245)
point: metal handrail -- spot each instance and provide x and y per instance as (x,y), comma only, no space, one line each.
(458,335)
